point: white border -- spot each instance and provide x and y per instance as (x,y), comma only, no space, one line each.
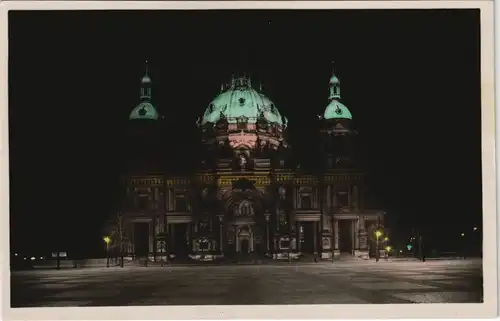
(489,308)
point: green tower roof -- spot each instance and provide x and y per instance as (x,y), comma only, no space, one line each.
(145,110)
(337,110)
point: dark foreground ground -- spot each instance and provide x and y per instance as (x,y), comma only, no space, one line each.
(323,283)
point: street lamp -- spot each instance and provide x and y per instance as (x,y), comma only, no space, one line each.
(107,240)
(378,234)
(464,245)
(387,250)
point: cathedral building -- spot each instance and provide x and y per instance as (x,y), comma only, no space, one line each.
(246,198)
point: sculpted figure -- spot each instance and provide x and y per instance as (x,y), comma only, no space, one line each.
(282,192)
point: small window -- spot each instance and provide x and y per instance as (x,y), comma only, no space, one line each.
(181,204)
(305,201)
(342,199)
(204,245)
(143,202)
(284,244)
(242,123)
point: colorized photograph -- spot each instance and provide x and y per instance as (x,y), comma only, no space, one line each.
(244,157)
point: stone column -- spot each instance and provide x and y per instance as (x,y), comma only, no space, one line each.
(221,235)
(328,196)
(172,238)
(356,234)
(267,232)
(315,237)
(353,236)
(336,240)
(156,224)
(152,237)
(170,206)
(297,236)
(251,240)
(332,243)
(188,237)
(363,240)
(349,197)
(236,239)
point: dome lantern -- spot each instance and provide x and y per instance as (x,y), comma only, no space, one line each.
(145,110)
(146,84)
(334,86)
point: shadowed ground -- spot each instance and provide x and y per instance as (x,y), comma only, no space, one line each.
(323,283)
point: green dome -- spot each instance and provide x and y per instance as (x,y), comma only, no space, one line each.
(337,110)
(144,110)
(241,100)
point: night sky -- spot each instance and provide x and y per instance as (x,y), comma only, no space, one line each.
(411,79)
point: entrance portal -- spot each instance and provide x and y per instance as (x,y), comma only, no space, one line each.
(245,246)
(180,243)
(308,240)
(141,239)
(346,236)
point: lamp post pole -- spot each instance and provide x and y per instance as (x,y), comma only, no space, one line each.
(107,239)
(386,248)
(221,234)
(332,245)
(378,234)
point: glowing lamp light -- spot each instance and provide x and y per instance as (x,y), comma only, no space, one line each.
(474,229)
(409,247)
(400,251)
(386,239)
(463,234)
(32,258)
(106,239)
(15,254)
(388,248)
(378,234)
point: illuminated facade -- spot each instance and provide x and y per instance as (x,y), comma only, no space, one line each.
(246,198)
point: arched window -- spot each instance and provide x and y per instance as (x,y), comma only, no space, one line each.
(245,208)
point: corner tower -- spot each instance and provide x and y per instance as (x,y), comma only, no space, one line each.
(337,130)
(144,131)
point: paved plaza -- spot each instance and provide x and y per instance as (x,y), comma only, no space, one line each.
(322,283)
